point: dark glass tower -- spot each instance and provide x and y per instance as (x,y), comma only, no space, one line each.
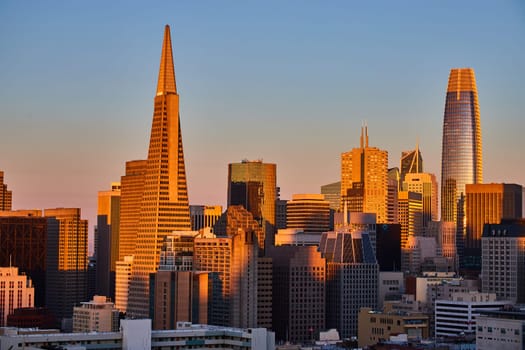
(252,184)
(461,161)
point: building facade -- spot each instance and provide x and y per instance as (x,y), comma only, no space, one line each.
(502,329)
(67,260)
(503,260)
(310,212)
(364,181)
(165,206)
(352,278)
(6,196)
(97,315)
(487,204)
(332,193)
(203,216)
(458,316)
(122,281)
(462,158)
(252,184)
(411,163)
(426,185)
(131,191)
(137,334)
(231,258)
(108,238)
(16,291)
(377,326)
(23,243)
(298,292)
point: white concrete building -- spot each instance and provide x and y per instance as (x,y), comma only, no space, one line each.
(137,335)
(97,315)
(391,287)
(502,330)
(16,291)
(456,316)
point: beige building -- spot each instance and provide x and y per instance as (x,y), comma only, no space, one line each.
(97,315)
(445,235)
(16,291)
(131,191)
(310,212)
(502,329)
(6,196)
(426,185)
(231,258)
(364,172)
(375,326)
(122,281)
(203,216)
(165,206)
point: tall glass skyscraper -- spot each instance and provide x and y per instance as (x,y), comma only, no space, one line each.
(461,161)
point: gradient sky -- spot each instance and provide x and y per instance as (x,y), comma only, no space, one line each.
(286,81)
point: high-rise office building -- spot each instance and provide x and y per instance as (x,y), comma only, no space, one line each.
(352,278)
(487,204)
(122,282)
(310,212)
(179,293)
(252,184)
(231,258)
(164,207)
(461,159)
(410,209)
(388,246)
(411,163)
(364,184)
(67,260)
(107,251)
(6,196)
(280,214)
(445,235)
(426,185)
(131,191)
(503,260)
(298,292)
(23,243)
(203,216)
(410,215)
(16,291)
(332,193)
(393,188)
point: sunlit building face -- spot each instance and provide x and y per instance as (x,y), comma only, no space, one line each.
(461,149)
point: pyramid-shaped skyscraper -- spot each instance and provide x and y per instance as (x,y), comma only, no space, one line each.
(165,205)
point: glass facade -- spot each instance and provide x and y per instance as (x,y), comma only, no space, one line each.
(252,184)
(461,161)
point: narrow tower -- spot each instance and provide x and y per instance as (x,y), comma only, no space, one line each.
(461,161)
(165,206)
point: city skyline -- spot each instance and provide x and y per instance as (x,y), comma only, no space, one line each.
(290,85)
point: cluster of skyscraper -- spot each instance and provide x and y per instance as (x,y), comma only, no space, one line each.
(297,267)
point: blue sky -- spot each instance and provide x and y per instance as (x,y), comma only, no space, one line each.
(287,81)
